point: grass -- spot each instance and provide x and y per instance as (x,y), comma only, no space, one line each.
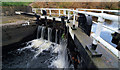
(15,3)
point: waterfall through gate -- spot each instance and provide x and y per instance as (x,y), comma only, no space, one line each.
(38,31)
(49,34)
(42,32)
(41,53)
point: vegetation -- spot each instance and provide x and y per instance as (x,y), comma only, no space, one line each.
(15,3)
(88,5)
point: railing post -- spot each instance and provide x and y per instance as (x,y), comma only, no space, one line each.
(68,17)
(50,11)
(73,27)
(93,46)
(41,12)
(102,11)
(64,12)
(99,26)
(59,13)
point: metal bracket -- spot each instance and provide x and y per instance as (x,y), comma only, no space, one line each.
(73,27)
(93,52)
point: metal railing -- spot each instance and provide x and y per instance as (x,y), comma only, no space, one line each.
(101,19)
(101,10)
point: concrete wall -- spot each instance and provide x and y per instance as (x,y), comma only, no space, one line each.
(14,35)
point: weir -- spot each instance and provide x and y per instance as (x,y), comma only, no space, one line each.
(68,40)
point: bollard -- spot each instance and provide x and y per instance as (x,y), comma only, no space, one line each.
(93,46)
(59,13)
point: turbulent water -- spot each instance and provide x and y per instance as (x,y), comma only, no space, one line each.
(38,53)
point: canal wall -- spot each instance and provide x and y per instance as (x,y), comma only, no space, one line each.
(16,34)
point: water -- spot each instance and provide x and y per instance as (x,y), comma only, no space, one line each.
(56,36)
(38,31)
(42,32)
(106,33)
(49,34)
(38,53)
(62,59)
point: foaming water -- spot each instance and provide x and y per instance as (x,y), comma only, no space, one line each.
(40,45)
(39,53)
(61,60)
(49,34)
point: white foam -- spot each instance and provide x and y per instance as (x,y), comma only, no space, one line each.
(62,59)
(42,47)
(57,48)
(37,42)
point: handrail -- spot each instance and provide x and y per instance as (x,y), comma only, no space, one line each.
(115,30)
(102,10)
(103,15)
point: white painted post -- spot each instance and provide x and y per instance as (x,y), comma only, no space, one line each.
(59,12)
(74,18)
(41,11)
(99,26)
(64,12)
(102,11)
(98,30)
(50,11)
(68,14)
